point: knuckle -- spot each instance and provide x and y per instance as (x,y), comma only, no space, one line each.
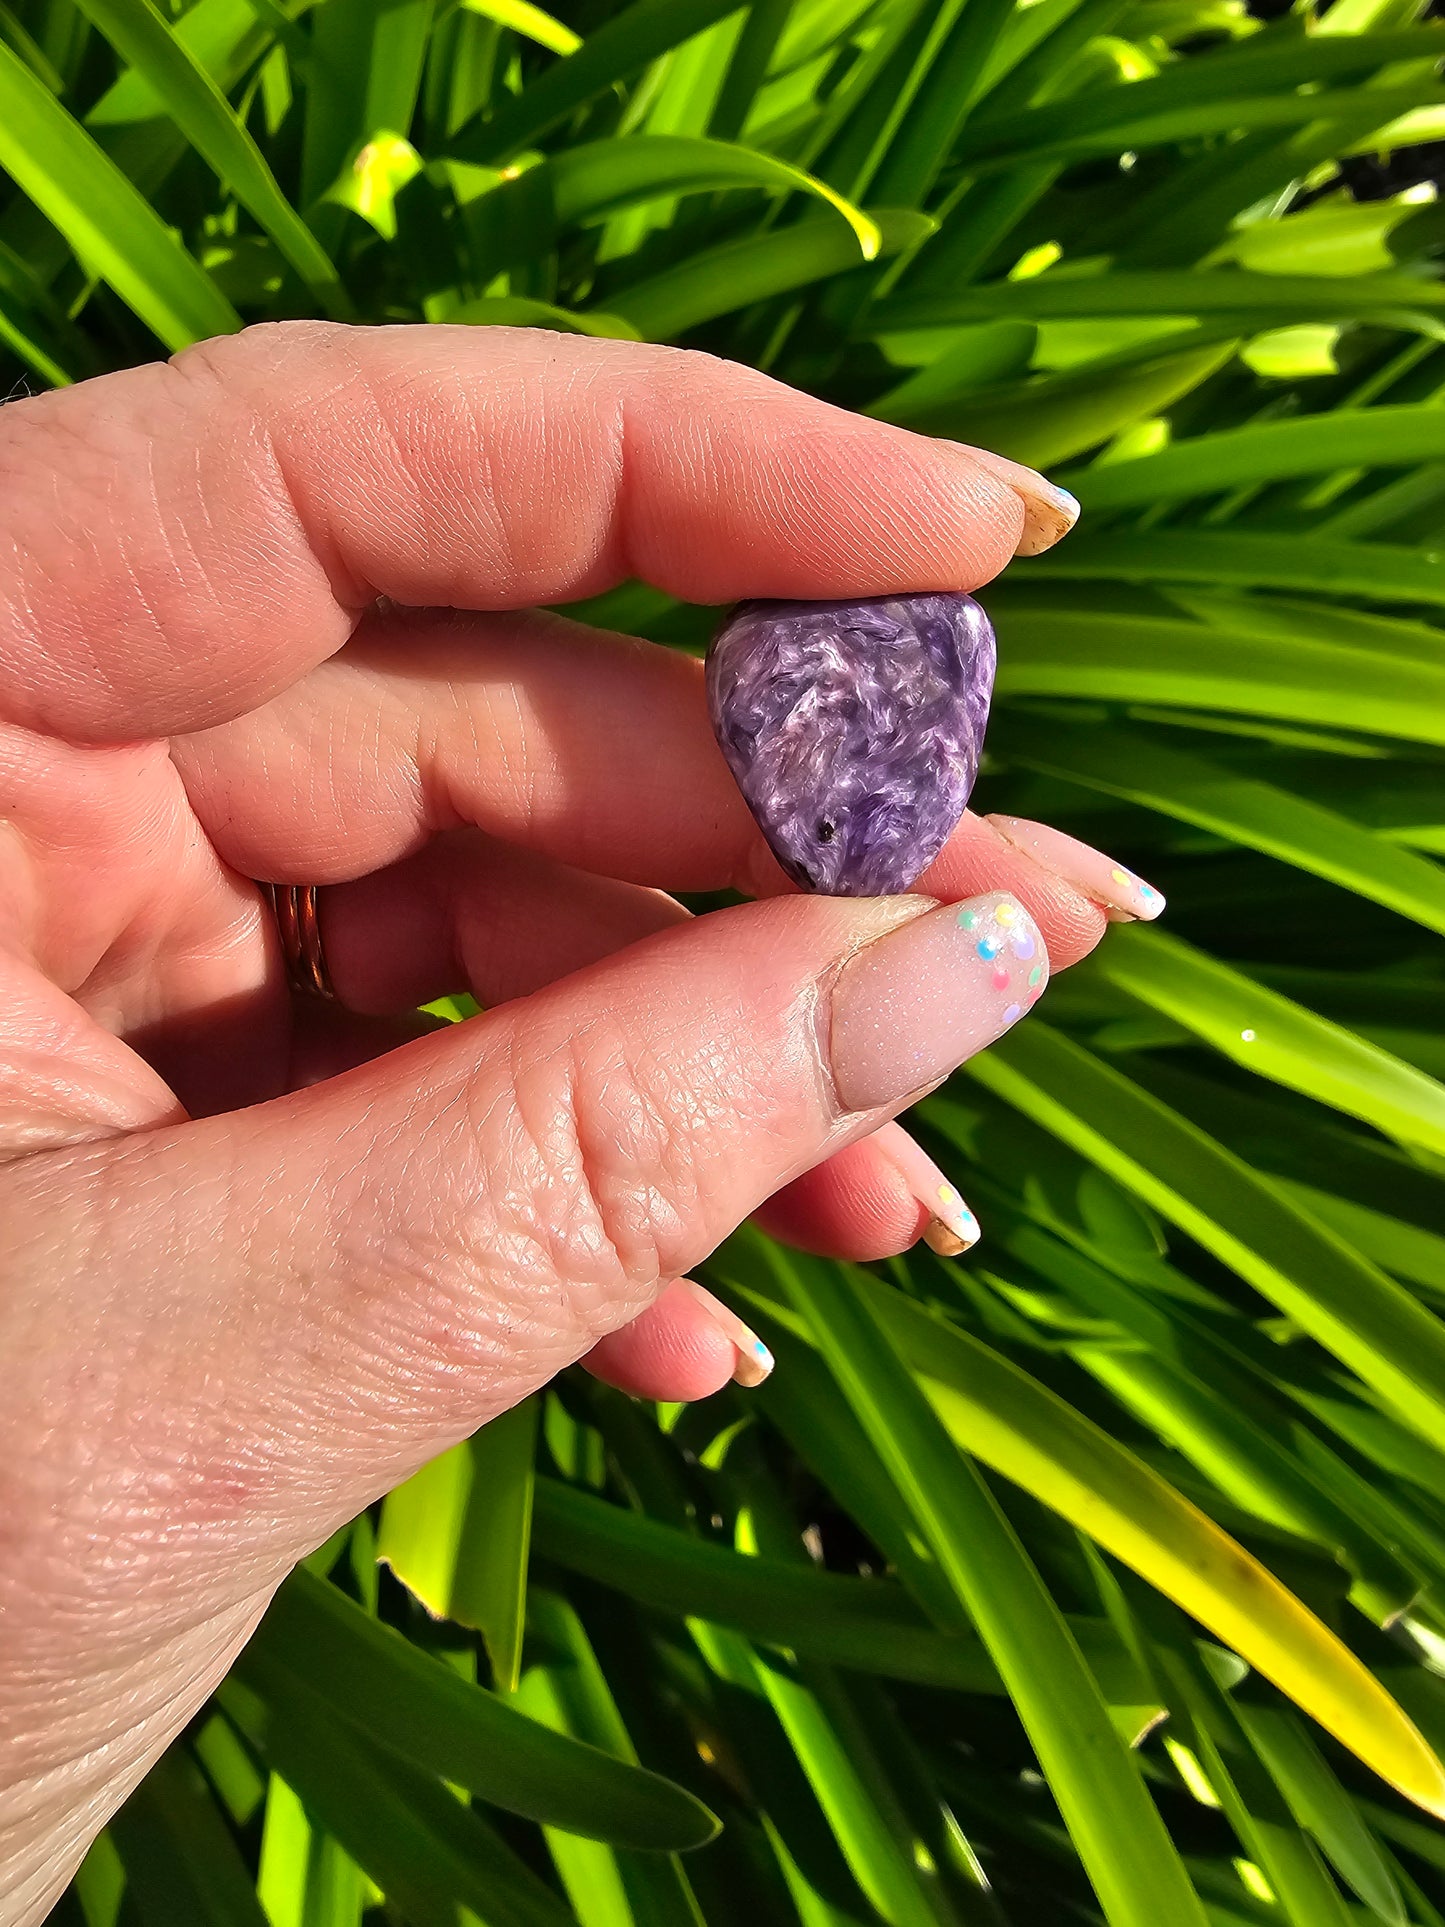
(607,1145)
(254,353)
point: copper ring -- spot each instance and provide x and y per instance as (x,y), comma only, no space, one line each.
(294,907)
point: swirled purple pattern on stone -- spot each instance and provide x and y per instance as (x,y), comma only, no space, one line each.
(854,730)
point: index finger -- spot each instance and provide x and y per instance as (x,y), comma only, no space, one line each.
(188,538)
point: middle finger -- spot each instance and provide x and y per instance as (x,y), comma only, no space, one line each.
(576,743)
(587,747)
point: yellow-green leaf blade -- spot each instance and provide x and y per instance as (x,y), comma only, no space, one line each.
(1355,1311)
(113,231)
(533,23)
(142,37)
(1265,452)
(1273,1035)
(1132,763)
(457,1535)
(1115,1826)
(1018,1426)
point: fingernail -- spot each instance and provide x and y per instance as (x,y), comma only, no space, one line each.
(952,1228)
(912,1005)
(1088,869)
(1049,511)
(755,1361)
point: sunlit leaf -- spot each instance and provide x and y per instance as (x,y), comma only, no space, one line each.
(1089,1772)
(524,18)
(114,233)
(457,1534)
(316,1646)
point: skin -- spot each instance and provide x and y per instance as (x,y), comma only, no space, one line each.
(263,1258)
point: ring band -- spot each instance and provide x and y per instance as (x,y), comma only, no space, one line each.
(294,907)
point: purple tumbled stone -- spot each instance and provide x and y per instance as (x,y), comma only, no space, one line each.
(854,730)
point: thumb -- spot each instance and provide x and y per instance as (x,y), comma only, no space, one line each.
(228,1336)
(295,1305)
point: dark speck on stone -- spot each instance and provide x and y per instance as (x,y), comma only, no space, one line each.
(854,730)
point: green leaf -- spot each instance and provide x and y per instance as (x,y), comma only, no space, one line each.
(1134,765)
(99,1883)
(1242,558)
(181,1863)
(25,336)
(866,1625)
(954,76)
(1330,1290)
(141,36)
(1138,118)
(112,230)
(1044,1445)
(1049,420)
(516,311)
(568,1691)
(1292,1869)
(970,358)
(533,23)
(1266,452)
(847,1780)
(747,67)
(1270,66)
(363,78)
(222,37)
(306,1878)
(721,280)
(429,1853)
(1274,1036)
(240,1785)
(315,1646)
(373,177)
(617,50)
(457,1535)
(1234,293)
(1320,1804)
(13,30)
(591,182)
(1205,1406)
(284,1871)
(1061,649)
(1120,1838)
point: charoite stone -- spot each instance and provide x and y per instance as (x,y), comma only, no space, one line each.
(854,730)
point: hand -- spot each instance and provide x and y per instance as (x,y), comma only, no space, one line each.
(264,1257)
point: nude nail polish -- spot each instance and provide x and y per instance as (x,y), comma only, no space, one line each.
(755,1361)
(1049,511)
(1089,870)
(916,1003)
(952,1228)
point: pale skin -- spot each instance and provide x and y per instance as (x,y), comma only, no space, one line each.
(261,1259)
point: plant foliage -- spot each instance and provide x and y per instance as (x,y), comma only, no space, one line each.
(1098,1576)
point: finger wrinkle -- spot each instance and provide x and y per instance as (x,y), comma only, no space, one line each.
(223,370)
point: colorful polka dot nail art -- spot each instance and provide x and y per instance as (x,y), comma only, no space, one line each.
(913,1005)
(754,1360)
(952,1228)
(1121,894)
(1007,940)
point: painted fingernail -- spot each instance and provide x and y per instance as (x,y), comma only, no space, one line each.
(1089,870)
(1049,511)
(952,1228)
(914,1004)
(755,1361)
